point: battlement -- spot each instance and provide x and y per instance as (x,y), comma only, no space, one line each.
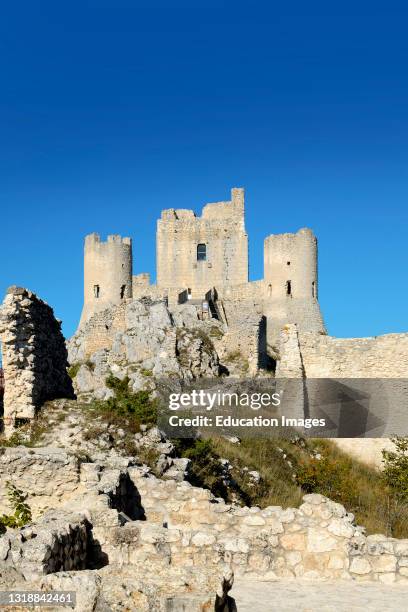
(95,239)
(230,209)
(305,233)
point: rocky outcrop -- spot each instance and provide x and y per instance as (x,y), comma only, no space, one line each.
(151,343)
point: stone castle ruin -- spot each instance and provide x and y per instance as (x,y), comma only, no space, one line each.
(103,525)
(203,261)
(34,357)
(203,316)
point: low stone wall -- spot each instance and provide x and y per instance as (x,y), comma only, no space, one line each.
(34,355)
(318,540)
(48,476)
(185,528)
(322,356)
(58,542)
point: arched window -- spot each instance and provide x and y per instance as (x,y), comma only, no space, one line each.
(122,291)
(96,291)
(201,252)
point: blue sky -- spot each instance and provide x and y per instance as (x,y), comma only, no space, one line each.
(111,111)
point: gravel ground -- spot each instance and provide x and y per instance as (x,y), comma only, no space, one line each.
(340,596)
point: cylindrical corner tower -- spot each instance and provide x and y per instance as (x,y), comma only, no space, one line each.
(290,265)
(107,273)
(290,277)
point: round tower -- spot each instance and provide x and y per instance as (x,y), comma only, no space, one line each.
(290,265)
(107,273)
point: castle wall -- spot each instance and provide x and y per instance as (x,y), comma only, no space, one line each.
(34,355)
(317,356)
(107,273)
(378,357)
(221,229)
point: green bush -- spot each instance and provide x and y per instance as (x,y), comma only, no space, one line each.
(73,370)
(22,513)
(205,467)
(126,409)
(396,468)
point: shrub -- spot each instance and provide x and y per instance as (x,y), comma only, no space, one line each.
(215,332)
(205,467)
(126,409)
(22,512)
(396,468)
(146,372)
(73,370)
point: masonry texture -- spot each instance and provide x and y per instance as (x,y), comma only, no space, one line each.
(381,359)
(204,259)
(34,355)
(107,273)
(184,527)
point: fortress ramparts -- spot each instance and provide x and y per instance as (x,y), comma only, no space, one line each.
(205,259)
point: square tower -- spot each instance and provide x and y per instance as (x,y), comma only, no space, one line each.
(199,253)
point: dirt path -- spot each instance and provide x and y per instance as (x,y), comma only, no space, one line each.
(302,596)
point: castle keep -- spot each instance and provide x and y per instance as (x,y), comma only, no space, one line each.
(204,261)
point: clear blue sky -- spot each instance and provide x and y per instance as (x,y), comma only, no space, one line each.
(111,111)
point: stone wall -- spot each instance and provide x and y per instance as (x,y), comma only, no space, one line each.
(58,542)
(377,357)
(316,356)
(244,341)
(48,476)
(34,355)
(318,540)
(186,527)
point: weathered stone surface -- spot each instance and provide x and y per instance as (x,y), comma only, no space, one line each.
(34,355)
(360,566)
(48,476)
(318,540)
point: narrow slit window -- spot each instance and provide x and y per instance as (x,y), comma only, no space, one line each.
(201,252)
(96,291)
(122,291)
(288,287)
(269,290)
(313,289)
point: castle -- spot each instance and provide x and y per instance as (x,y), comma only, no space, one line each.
(202,318)
(204,261)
